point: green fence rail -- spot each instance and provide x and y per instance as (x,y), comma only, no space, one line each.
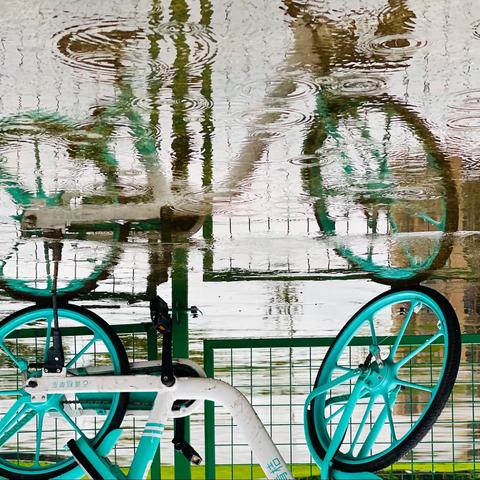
(276,375)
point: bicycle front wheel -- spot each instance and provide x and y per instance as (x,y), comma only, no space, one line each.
(401,383)
(33,435)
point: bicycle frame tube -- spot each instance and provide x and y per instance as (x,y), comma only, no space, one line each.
(151,436)
(253,430)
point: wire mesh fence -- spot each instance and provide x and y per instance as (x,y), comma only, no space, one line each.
(276,375)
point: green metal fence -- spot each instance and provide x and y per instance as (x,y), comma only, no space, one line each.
(277,374)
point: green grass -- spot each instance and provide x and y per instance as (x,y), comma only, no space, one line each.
(400,471)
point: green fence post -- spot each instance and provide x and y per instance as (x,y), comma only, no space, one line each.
(180,337)
(209,366)
(152,354)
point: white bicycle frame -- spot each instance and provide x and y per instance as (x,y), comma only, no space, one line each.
(257,437)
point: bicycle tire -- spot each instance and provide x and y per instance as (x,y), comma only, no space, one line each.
(315,421)
(120,366)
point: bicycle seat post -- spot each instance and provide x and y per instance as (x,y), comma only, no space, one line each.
(162,321)
(55,358)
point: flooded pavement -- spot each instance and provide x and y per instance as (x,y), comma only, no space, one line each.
(290,158)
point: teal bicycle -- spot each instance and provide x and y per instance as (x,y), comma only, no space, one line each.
(75,379)
(63,396)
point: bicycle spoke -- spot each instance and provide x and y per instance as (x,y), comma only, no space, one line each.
(38,440)
(11,392)
(333,415)
(386,399)
(340,399)
(404,246)
(344,368)
(21,365)
(429,219)
(19,423)
(12,411)
(81,352)
(413,385)
(377,427)
(374,432)
(332,384)
(405,323)
(415,352)
(362,424)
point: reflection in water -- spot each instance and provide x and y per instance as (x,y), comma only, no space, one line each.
(376,188)
(101,47)
(277,141)
(367,38)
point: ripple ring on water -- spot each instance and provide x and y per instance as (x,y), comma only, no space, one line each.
(311,161)
(465,123)
(102,47)
(280,89)
(466,100)
(273,121)
(357,85)
(395,44)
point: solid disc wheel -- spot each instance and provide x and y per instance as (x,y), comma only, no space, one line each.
(33,435)
(402,382)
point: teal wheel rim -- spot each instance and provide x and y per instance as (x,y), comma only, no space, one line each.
(408,389)
(37,447)
(37,289)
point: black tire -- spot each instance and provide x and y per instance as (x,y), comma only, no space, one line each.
(123,398)
(430,416)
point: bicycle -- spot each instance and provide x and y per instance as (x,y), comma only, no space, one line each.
(351,424)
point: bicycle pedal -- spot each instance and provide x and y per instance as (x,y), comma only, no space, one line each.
(188,452)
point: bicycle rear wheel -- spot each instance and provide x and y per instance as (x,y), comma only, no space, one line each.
(33,435)
(402,386)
